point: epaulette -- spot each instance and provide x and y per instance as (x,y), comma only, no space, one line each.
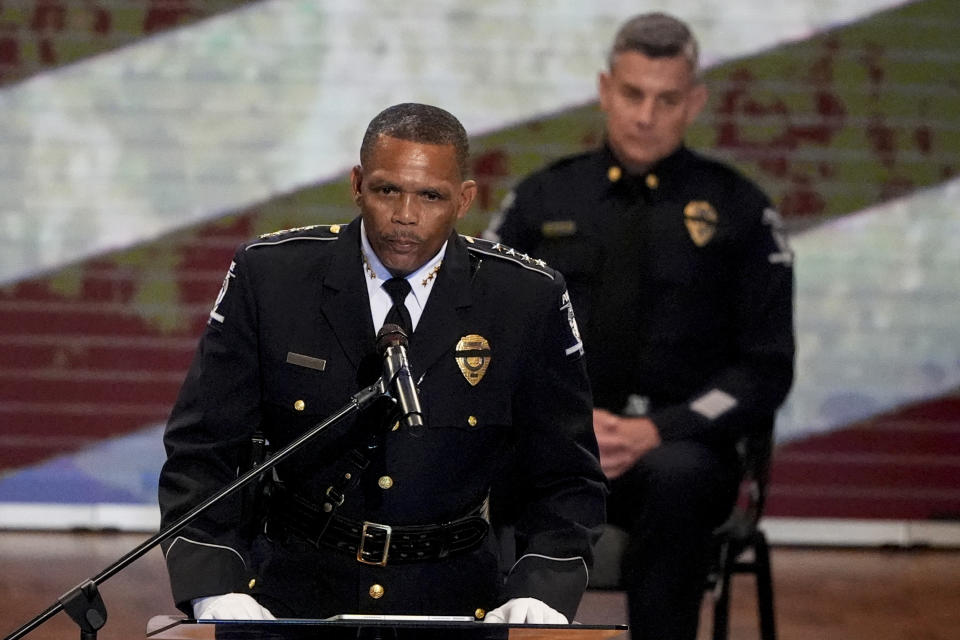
(309,232)
(502,251)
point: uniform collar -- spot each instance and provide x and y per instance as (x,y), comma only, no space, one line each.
(662,177)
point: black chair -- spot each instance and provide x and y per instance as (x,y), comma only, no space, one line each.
(738,545)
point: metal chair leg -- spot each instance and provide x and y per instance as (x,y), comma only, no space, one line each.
(721,593)
(765,607)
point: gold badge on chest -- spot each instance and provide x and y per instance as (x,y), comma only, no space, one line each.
(473,357)
(701,220)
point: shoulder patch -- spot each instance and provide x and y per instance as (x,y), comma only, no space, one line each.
(502,251)
(309,232)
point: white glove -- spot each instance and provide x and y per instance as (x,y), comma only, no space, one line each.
(525,610)
(229,606)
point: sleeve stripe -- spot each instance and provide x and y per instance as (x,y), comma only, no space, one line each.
(203,544)
(586,572)
(284,241)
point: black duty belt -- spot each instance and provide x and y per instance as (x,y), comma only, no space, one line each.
(373,542)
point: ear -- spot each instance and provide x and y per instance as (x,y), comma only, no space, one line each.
(698,100)
(468,191)
(356,181)
(604,82)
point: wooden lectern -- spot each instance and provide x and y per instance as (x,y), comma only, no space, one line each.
(177,628)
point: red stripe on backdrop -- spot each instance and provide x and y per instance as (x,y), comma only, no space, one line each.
(876,472)
(85,386)
(100,349)
(918,506)
(87,319)
(33,432)
(912,438)
(901,465)
(21,353)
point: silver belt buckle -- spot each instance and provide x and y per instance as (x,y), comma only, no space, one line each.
(368,527)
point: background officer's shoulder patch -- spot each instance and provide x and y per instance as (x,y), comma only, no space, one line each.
(575,348)
(495,249)
(309,232)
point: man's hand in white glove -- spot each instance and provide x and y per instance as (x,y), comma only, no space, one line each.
(229,606)
(525,610)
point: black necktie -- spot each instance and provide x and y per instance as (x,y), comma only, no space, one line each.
(398,288)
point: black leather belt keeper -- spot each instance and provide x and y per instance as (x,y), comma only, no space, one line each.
(373,542)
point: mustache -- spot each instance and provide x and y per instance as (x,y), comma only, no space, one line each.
(402,235)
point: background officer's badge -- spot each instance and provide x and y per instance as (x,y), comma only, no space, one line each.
(473,357)
(701,220)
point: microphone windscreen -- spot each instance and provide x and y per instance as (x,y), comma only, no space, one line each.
(391,335)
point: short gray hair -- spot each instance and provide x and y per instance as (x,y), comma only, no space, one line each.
(656,35)
(420,123)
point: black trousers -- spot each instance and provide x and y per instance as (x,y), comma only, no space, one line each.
(670,502)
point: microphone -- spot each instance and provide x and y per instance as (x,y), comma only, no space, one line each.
(392,345)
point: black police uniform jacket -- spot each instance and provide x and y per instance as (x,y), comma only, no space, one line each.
(682,281)
(528,418)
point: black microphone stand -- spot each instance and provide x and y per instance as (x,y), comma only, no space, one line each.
(84,604)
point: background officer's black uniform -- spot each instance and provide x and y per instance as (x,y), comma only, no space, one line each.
(304,293)
(682,284)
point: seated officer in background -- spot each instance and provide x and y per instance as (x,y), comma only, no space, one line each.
(682,282)
(502,383)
